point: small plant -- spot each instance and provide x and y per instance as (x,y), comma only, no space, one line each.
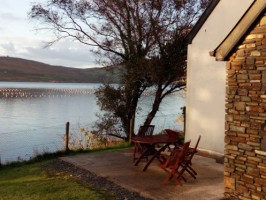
(83,139)
(180,118)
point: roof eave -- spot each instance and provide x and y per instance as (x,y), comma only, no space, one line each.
(201,21)
(223,50)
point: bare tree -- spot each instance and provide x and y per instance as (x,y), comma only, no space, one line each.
(145,37)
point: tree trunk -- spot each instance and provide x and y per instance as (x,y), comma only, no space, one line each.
(153,112)
(155,108)
(135,94)
(132,123)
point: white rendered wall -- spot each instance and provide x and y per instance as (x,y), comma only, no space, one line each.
(206,77)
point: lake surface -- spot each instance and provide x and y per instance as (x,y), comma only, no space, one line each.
(35,124)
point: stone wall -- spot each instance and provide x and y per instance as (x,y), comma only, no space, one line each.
(245,149)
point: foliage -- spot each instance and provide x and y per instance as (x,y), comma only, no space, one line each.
(111,99)
(181,118)
(143,38)
(83,139)
(108,125)
(32,182)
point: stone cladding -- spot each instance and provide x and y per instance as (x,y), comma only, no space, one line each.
(245,135)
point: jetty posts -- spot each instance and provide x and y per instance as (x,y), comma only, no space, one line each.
(41,92)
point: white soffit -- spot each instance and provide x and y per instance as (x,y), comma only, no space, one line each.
(222,51)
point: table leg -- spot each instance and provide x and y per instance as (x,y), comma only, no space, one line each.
(156,154)
(143,154)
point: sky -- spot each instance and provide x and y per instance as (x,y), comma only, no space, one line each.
(19,38)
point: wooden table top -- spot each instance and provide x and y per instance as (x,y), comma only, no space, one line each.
(154,139)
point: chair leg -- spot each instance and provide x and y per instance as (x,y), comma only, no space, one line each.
(165,170)
(170,176)
(180,174)
(191,174)
(178,181)
(134,155)
(193,171)
(187,168)
(167,179)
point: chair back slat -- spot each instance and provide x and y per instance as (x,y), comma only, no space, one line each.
(198,142)
(177,157)
(177,164)
(148,132)
(195,148)
(139,148)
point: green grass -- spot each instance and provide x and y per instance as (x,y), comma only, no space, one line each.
(27,180)
(32,182)
(47,156)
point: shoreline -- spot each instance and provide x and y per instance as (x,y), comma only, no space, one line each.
(6,93)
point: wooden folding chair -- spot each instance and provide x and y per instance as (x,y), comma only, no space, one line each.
(173,134)
(139,149)
(174,165)
(188,159)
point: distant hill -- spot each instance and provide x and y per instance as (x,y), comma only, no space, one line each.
(17,69)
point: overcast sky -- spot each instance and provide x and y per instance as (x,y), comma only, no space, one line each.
(18,38)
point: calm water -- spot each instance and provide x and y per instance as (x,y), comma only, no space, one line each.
(30,126)
(48,85)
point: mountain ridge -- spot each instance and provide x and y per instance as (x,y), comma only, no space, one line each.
(23,70)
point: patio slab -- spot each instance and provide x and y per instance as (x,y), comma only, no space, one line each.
(118,168)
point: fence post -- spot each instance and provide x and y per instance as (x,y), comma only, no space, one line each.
(67,136)
(184,114)
(130,132)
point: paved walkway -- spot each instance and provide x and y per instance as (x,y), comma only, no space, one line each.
(118,168)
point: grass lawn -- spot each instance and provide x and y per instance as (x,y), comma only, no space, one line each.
(29,181)
(32,182)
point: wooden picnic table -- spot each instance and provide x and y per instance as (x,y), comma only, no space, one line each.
(150,143)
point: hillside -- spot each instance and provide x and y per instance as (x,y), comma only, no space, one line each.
(17,69)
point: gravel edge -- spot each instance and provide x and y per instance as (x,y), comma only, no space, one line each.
(92,179)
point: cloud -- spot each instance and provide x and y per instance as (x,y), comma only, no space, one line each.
(8,17)
(8,47)
(65,53)
(8,20)
(18,40)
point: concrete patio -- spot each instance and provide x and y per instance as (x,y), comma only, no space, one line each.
(118,168)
